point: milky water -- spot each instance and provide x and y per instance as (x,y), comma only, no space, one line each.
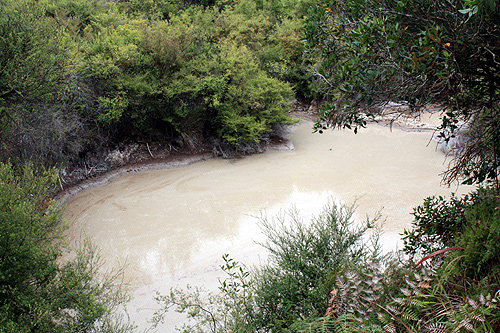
(172,226)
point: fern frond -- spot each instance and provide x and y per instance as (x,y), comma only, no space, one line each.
(479,318)
(472,303)
(410,315)
(351,275)
(394,310)
(399,300)
(466,323)
(389,328)
(482,299)
(406,292)
(436,328)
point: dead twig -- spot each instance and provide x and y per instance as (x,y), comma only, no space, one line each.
(147,144)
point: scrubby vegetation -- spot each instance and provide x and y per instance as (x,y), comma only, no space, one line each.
(38,293)
(79,76)
(363,55)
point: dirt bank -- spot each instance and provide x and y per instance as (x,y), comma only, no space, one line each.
(141,157)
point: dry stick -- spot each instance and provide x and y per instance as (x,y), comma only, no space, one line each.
(147,144)
(60,183)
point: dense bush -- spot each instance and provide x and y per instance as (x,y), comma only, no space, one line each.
(471,223)
(38,290)
(436,223)
(33,55)
(78,75)
(480,237)
(34,126)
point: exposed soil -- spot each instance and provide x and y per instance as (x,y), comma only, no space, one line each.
(135,157)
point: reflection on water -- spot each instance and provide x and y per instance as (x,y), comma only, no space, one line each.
(172,226)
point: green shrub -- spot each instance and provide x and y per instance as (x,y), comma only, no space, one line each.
(33,54)
(435,224)
(480,237)
(38,291)
(304,258)
(472,222)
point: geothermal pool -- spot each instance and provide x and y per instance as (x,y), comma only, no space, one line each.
(172,226)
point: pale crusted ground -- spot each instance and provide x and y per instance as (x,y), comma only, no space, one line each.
(428,119)
(392,114)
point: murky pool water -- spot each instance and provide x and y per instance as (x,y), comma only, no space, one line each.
(172,226)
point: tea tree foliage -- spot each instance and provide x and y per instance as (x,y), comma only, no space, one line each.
(28,258)
(38,291)
(303,257)
(33,55)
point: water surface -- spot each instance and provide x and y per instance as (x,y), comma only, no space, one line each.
(172,226)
